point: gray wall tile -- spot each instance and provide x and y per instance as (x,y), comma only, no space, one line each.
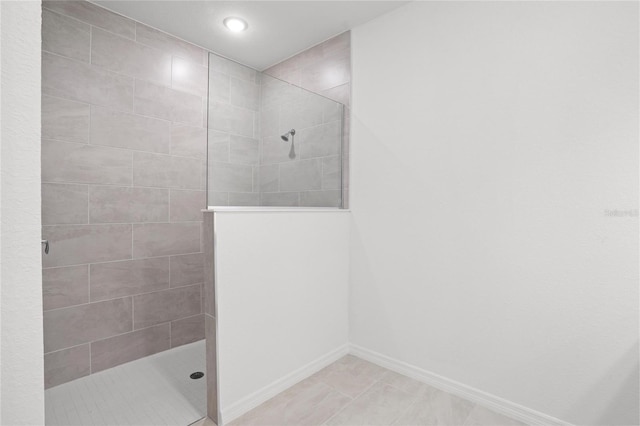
(208,260)
(280,199)
(233,69)
(187,330)
(188,141)
(186,206)
(212,366)
(331,172)
(321,141)
(301,175)
(69,79)
(244,150)
(167,305)
(218,198)
(245,94)
(163,41)
(231,177)
(218,147)
(76,325)
(94,15)
(275,150)
(166,171)
(63,287)
(244,199)
(162,102)
(80,244)
(314,77)
(329,198)
(65,120)
(72,162)
(117,204)
(269,178)
(189,76)
(118,279)
(118,129)
(66,365)
(64,204)
(187,269)
(231,119)
(219,86)
(125,56)
(163,239)
(65,36)
(128,347)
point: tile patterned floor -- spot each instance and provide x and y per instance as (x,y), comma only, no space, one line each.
(353,392)
(155,390)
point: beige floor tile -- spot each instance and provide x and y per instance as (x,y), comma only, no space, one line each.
(435,407)
(481,416)
(382,404)
(350,375)
(310,402)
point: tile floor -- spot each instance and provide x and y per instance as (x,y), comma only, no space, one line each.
(155,390)
(352,392)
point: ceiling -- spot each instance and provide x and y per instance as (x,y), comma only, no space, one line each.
(277,29)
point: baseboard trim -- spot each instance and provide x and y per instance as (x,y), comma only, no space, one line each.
(497,404)
(262,395)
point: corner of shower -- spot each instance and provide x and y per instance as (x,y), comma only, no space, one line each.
(271,143)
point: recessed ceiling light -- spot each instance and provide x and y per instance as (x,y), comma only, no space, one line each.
(235,24)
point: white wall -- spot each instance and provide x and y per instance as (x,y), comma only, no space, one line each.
(489,138)
(281,288)
(21,371)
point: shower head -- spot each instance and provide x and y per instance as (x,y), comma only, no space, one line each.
(285,137)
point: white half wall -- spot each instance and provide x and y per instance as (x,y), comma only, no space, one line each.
(491,141)
(282,300)
(21,361)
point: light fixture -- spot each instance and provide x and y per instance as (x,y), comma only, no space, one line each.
(235,24)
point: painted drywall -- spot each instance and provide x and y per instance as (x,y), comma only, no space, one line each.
(494,197)
(281,295)
(21,369)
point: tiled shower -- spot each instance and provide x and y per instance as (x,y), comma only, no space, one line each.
(136,126)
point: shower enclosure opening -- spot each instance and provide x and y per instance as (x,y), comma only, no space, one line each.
(271,143)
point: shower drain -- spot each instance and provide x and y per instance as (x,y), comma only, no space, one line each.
(197,375)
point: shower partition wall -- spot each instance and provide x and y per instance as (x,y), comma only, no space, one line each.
(270,143)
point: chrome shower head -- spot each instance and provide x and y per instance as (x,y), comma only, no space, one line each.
(285,137)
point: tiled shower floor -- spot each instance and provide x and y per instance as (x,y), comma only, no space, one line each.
(155,390)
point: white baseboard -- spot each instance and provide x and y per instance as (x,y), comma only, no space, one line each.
(262,395)
(497,404)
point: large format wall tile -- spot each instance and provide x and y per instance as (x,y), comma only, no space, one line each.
(188,141)
(186,206)
(189,76)
(117,279)
(125,56)
(66,365)
(163,239)
(321,141)
(331,172)
(167,305)
(80,244)
(117,204)
(128,347)
(72,162)
(65,36)
(286,199)
(231,119)
(232,69)
(331,198)
(118,129)
(166,171)
(162,102)
(78,81)
(187,330)
(208,260)
(231,177)
(244,199)
(73,326)
(275,150)
(64,204)
(245,94)
(163,41)
(94,15)
(63,287)
(244,150)
(65,120)
(187,269)
(301,175)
